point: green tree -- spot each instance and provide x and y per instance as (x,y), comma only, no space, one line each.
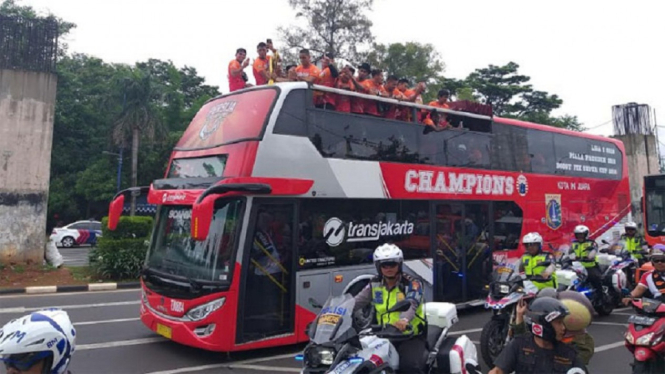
(337,26)
(137,92)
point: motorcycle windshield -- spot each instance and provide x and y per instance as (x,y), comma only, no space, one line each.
(335,318)
(504,274)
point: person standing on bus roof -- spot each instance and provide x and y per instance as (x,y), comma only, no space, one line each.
(306,71)
(327,77)
(344,103)
(389,287)
(585,251)
(533,262)
(358,85)
(236,67)
(261,66)
(634,242)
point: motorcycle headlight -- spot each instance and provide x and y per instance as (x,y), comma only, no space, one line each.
(202,311)
(320,356)
(645,339)
(629,338)
(504,289)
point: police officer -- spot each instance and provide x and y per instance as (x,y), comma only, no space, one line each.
(384,291)
(634,242)
(541,351)
(532,262)
(585,251)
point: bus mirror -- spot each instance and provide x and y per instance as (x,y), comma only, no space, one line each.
(202,217)
(115,211)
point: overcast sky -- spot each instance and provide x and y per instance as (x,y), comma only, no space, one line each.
(593,54)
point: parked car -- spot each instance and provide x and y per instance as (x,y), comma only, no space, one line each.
(77,233)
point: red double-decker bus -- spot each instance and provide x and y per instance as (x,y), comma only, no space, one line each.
(270,204)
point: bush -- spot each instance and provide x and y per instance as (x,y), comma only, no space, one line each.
(120,254)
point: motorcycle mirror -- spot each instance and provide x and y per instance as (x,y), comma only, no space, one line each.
(314,303)
(401,306)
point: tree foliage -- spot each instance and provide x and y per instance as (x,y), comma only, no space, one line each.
(340,27)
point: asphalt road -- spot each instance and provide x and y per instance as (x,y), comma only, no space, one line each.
(111,339)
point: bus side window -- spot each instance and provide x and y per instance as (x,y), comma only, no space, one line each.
(292,119)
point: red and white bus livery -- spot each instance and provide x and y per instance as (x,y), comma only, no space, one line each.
(270,204)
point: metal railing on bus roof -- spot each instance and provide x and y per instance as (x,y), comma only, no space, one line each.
(396,102)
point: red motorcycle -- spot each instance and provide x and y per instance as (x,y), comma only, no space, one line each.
(645,337)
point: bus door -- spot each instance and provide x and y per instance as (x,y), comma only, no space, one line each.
(461,250)
(267,304)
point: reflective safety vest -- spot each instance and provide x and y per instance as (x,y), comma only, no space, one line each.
(633,245)
(384,299)
(532,266)
(582,253)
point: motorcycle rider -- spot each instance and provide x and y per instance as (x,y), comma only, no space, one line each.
(585,251)
(39,343)
(390,286)
(634,242)
(541,351)
(531,262)
(653,281)
(580,317)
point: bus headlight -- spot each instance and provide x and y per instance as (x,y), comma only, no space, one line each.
(202,311)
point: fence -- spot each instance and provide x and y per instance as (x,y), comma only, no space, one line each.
(28,44)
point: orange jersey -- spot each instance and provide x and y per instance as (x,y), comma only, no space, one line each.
(235,83)
(311,71)
(326,79)
(344,103)
(259,66)
(371,105)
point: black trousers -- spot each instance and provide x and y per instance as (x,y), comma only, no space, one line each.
(412,355)
(595,278)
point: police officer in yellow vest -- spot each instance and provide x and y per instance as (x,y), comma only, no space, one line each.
(385,290)
(585,251)
(532,262)
(634,242)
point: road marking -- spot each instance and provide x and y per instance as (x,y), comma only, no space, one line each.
(102,286)
(475,342)
(607,347)
(106,321)
(623,309)
(66,307)
(74,293)
(225,365)
(462,332)
(609,323)
(41,289)
(266,368)
(120,343)
(622,314)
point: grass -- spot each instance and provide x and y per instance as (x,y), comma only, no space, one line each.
(18,269)
(81,273)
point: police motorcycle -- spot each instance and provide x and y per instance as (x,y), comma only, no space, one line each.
(625,262)
(506,289)
(336,347)
(572,276)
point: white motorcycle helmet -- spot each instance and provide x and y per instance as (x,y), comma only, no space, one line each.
(43,335)
(581,229)
(532,238)
(388,253)
(630,225)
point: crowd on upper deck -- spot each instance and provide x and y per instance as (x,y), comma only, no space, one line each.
(367,81)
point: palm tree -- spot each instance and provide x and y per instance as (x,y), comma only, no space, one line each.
(139,115)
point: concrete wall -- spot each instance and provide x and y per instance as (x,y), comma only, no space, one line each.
(642,156)
(27,109)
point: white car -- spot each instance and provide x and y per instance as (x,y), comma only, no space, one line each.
(77,233)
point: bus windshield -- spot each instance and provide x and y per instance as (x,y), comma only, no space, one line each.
(655,215)
(173,252)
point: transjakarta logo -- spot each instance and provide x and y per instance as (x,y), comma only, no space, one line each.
(425,181)
(335,231)
(173,197)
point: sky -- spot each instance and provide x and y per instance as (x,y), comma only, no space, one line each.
(592,54)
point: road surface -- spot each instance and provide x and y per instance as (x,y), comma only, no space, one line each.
(111,339)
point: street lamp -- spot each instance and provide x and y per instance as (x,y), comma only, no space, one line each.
(119,155)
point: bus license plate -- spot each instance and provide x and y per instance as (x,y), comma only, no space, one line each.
(164,331)
(641,320)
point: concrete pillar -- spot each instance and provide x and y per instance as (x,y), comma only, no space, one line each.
(27,109)
(642,157)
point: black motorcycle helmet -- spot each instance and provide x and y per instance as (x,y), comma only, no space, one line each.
(542,311)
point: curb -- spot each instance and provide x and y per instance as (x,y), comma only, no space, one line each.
(81,288)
